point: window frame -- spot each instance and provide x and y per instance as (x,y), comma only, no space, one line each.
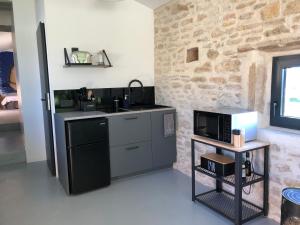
(277,92)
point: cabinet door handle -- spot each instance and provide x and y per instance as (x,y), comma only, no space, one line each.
(131,118)
(102,124)
(48,101)
(132,148)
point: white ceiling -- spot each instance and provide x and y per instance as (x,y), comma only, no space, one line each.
(153,3)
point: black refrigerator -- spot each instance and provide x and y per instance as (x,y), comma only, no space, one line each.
(88,154)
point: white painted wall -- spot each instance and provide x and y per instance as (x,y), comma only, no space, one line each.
(6,43)
(40,11)
(125,29)
(28,76)
(153,4)
(5,37)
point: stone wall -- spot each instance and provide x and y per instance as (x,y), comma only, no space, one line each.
(236,41)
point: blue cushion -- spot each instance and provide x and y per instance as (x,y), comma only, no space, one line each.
(6,64)
(6,90)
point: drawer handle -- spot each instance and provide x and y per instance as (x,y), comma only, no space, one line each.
(102,124)
(132,148)
(131,118)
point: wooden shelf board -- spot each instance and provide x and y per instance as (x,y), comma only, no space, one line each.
(252,145)
(85,65)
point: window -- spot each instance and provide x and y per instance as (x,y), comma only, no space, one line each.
(285,96)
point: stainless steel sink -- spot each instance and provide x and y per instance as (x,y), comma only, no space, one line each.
(146,107)
(133,108)
(110,110)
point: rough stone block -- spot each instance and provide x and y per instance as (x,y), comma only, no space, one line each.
(270,11)
(229,16)
(212,54)
(199,79)
(207,86)
(217,80)
(246,16)
(276,31)
(245,4)
(186,21)
(259,5)
(253,39)
(251,86)
(229,66)
(292,7)
(201,17)
(177,8)
(206,67)
(235,79)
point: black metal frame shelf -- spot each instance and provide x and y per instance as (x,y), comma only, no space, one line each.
(85,65)
(254,178)
(223,203)
(233,206)
(69,64)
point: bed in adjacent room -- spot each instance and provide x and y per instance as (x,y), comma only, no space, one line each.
(8,87)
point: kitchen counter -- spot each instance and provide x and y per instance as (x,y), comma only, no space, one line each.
(77,115)
(137,140)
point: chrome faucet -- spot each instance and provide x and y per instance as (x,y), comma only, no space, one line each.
(129,91)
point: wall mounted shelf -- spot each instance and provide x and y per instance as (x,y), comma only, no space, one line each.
(85,65)
(68,63)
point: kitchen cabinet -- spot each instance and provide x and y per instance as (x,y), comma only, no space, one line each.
(138,143)
(163,148)
(130,143)
(132,128)
(130,159)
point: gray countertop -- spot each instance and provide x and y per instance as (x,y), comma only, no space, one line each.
(77,115)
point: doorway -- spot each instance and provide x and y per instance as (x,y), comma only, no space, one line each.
(12,148)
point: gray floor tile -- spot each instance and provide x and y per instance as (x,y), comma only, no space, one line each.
(30,196)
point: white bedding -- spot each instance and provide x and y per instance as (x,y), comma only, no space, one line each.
(9,98)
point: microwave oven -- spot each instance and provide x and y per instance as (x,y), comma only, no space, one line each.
(218,124)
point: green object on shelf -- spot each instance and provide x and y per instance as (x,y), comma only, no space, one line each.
(81,57)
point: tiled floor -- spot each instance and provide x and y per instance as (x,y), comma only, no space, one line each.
(30,196)
(11,141)
(12,148)
(9,116)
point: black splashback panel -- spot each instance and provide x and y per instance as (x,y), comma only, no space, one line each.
(67,100)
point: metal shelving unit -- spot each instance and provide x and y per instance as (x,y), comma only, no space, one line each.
(255,177)
(233,206)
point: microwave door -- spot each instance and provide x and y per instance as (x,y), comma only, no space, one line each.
(200,125)
(206,125)
(218,127)
(221,128)
(212,126)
